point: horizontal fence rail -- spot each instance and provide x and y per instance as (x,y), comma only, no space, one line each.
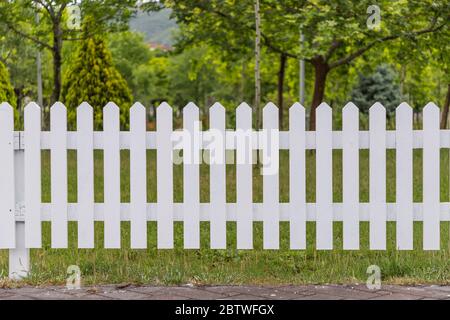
(20,177)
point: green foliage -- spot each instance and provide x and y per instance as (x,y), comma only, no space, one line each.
(6,89)
(93,78)
(377,87)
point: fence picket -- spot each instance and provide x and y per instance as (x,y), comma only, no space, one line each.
(58,132)
(191,177)
(244,177)
(138,177)
(111,127)
(32,160)
(218,179)
(431,165)
(404,173)
(7,201)
(85,180)
(164,176)
(297,173)
(350,176)
(270,171)
(324,174)
(377,176)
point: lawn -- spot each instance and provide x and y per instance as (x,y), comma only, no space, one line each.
(231,266)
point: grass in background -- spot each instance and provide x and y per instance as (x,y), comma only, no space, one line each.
(233,266)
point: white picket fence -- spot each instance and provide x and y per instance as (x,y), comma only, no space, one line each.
(21,209)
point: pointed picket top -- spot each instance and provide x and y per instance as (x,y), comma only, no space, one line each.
(270,110)
(32,107)
(403,109)
(137,107)
(32,113)
(58,109)
(84,107)
(296,110)
(377,108)
(297,106)
(217,107)
(190,108)
(432,107)
(243,107)
(164,108)
(111,107)
(323,108)
(6,107)
(350,108)
(137,115)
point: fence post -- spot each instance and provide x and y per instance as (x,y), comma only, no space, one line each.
(19,258)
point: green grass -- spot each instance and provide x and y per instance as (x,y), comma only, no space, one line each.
(233,266)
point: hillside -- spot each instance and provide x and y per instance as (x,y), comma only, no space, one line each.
(157,26)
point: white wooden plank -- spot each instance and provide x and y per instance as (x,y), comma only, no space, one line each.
(431,183)
(404,176)
(111,127)
(58,153)
(191,177)
(270,171)
(324,174)
(164,176)
(350,176)
(138,177)
(7,197)
(244,176)
(85,169)
(297,177)
(218,231)
(32,175)
(377,177)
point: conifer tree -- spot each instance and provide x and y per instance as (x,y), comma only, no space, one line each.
(380,86)
(6,90)
(92,77)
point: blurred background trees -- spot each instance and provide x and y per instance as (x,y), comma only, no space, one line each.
(203,51)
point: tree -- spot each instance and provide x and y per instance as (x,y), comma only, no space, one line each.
(93,78)
(377,87)
(336,32)
(18,16)
(129,52)
(6,89)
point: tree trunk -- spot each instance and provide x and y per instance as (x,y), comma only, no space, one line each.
(281,74)
(321,69)
(445,111)
(57,62)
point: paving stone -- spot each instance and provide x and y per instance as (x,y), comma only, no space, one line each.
(168,297)
(303,290)
(345,292)
(291,292)
(397,296)
(319,296)
(145,289)
(193,293)
(122,295)
(224,290)
(244,297)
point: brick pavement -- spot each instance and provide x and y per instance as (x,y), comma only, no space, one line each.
(333,292)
